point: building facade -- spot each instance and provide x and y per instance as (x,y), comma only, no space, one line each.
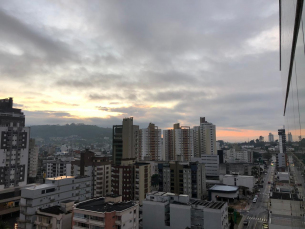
(183,178)
(150,143)
(166,210)
(98,168)
(292,60)
(108,212)
(55,217)
(271,137)
(208,138)
(131,180)
(57,167)
(33,160)
(52,193)
(125,141)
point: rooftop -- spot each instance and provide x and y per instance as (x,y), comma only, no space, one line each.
(99,205)
(41,186)
(208,204)
(67,201)
(232,175)
(59,178)
(55,210)
(224,188)
(141,163)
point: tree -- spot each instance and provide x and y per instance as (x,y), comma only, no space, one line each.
(267,155)
(257,141)
(254,171)
(155,180)
(252,142)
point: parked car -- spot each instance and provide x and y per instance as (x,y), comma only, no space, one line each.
(254,200)
(246,222)
(269,182)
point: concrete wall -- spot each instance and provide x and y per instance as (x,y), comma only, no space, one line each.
(180,216)
(154,215)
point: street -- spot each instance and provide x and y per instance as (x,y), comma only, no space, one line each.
(258,212)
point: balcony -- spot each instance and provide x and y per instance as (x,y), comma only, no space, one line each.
(83,220)
(97,222)
(118,222)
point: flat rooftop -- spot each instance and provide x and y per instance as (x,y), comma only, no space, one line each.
(208,204)
(41,186)
(224,188)
(60,178)
(99,205)
(55,210)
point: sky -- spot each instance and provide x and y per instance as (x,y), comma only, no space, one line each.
(98,61)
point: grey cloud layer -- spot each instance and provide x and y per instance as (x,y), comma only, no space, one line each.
(196,56)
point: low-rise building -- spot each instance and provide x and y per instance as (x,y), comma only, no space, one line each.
(223,193)
(283,176)
(108,212)
(55,217)
(52,193)
(239,180)
(164,210)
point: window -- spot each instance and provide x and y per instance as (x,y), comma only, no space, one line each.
(43,191)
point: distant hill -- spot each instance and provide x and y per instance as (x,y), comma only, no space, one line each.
(84,131)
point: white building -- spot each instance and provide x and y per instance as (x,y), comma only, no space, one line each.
(211,163)
(271,137)
(241,156)
(283,176)
(223,193)
(208,138)
(58,167)
(239,180)
(33,159)
(108,212)
(166,210)
(281,160)
(52,193)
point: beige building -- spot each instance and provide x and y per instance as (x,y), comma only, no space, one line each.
(125,141)
(208,138)
(55,217)
(131,180)
(33,160)
(109,212)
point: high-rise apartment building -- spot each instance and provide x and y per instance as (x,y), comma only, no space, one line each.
(150,143)
(289,136)
(125,141)
(14,148)
(271,137)
(131,180)
(33,161)
(98,168)
(282,140)
(182,178)
(178,143)
(208,138)
(168,145)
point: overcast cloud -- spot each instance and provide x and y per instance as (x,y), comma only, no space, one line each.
(159,61)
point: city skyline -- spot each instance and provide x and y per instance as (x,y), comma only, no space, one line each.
(82,63)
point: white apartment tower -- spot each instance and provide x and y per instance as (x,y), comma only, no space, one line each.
(271,137)
(14,146)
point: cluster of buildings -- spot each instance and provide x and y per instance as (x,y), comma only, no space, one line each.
(194,178)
